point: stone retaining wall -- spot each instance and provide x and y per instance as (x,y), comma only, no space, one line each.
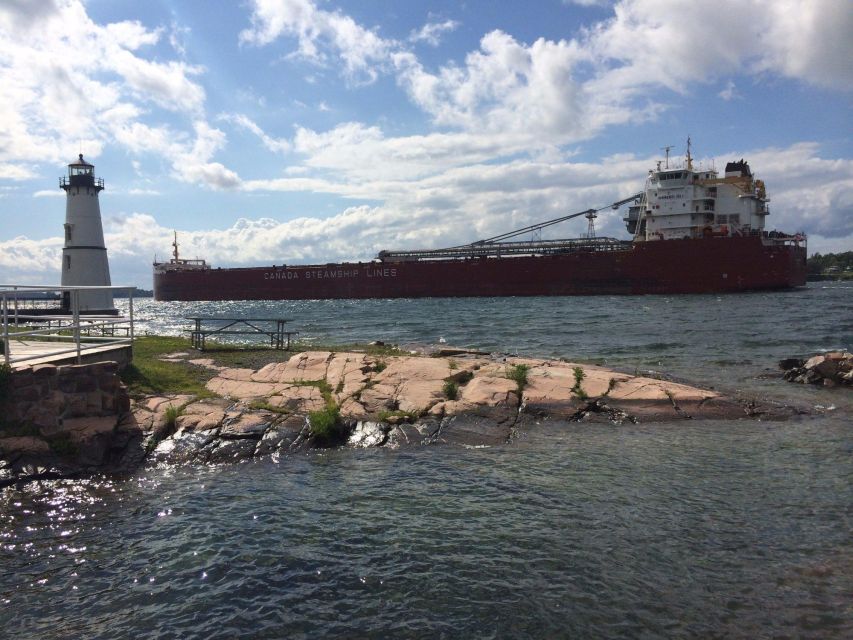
(45,395)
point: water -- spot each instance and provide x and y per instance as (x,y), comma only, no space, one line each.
(687,529)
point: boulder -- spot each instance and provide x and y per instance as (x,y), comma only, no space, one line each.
(369,434)
(247,425)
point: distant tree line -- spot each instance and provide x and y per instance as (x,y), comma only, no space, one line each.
(831,264)
(137,293)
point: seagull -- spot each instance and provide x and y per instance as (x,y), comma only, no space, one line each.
(441,340)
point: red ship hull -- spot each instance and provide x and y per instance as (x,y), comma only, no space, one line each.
(707,265)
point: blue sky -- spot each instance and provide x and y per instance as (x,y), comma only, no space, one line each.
(288,131)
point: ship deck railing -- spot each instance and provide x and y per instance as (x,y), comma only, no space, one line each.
(211,326)
(501,249)
(59,333)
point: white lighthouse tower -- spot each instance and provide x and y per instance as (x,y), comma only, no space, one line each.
(84,256)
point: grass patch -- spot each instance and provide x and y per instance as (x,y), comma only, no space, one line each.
(450,390)
(452,364)
(148,375)
(369,349)
(324,387)
(325,425)
(170,416)
(518,374)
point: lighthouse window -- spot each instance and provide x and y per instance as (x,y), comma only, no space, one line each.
(68,228)
(67,262)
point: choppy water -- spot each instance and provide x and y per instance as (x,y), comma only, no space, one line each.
(688,529)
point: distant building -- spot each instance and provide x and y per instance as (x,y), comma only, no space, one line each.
(84,256)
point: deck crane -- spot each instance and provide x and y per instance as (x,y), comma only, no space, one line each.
(497,245)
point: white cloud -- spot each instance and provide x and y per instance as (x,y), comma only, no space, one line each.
(808,193)
(69,82)
(505,87)
(431,32)
(25,261)
(509,96)
(729,92)
(277,145)
(659,42)
(361,50)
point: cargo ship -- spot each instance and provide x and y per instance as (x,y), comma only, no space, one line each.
(694,231)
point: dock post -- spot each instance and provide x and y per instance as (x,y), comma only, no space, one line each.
(75,318)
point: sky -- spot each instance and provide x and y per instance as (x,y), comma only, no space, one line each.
(310,131)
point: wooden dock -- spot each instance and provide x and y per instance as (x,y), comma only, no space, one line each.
(44,352)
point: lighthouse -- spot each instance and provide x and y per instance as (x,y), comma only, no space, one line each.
(84,256)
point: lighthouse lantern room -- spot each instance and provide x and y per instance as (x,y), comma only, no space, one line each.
(84,256)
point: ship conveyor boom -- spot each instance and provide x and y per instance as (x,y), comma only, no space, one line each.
(484,249)
(497,247)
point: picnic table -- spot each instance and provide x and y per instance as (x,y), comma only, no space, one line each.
(273,328)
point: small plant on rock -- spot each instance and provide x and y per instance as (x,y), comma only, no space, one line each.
(611,385)
(451,364)
(518,374)
(171,416)
(578,389)
(324,425)
(450,390)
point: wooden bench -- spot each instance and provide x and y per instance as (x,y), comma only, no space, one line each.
(273,328)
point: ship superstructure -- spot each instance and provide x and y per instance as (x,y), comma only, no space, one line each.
(683,202)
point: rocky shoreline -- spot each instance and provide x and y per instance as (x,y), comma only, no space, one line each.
(828,369)
(321,399)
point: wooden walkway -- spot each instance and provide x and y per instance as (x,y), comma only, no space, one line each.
(40,352)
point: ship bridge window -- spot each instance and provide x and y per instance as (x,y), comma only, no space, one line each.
(729,219)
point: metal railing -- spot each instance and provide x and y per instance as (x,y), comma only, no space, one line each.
(40,333)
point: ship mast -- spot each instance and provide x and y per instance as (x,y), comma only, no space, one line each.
(689,157)
(175,244)
(665,149)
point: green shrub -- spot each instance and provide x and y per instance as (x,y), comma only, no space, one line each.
(518,373)
(577,389)
(62,446)
(452,365)
(324,425)
(171,416)
(450,389)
